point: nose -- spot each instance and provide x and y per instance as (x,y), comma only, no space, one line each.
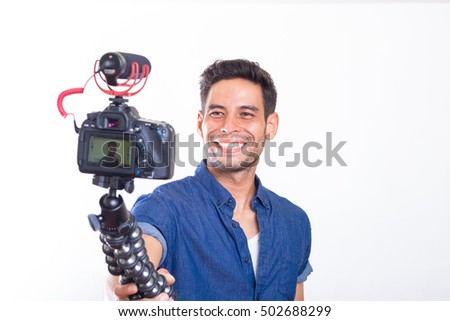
(230,124)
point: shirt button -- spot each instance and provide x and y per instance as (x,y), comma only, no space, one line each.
(230,202)
(247,260)
(234,224)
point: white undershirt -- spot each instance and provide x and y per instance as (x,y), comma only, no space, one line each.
(253,246)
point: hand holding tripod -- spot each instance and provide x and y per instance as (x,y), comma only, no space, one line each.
(123,245)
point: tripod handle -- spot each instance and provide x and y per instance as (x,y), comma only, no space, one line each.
(125,250)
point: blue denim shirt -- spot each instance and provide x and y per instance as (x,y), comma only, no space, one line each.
(206,250)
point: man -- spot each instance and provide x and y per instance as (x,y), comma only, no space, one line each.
(221,235)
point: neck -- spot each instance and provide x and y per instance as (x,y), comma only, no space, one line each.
(240,184)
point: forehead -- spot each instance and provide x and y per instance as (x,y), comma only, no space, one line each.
(232,92)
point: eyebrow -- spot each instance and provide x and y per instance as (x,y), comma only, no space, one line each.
(249,107)
(213,106)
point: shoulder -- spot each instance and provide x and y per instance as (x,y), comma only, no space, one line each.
(184,187)
(281,201)
(165,194)
(285,208)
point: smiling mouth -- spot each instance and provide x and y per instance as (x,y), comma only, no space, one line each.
(229,147)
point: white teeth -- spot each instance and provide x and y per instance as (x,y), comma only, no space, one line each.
(231,145)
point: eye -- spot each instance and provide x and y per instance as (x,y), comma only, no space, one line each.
(216,114)
(246,114)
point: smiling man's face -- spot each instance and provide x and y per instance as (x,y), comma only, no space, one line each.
(233,124)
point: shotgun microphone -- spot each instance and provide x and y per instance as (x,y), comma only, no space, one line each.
(121,65)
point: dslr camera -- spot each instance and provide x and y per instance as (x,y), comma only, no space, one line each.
(117,145)
(117,141)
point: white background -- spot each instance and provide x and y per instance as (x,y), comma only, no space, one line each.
(375,74)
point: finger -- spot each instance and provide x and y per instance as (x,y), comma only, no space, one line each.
(160,297)
(163,297)
(169,277)
(122,291)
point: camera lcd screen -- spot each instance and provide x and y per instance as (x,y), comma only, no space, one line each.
(109,152)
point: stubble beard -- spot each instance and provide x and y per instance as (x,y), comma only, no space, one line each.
(247,158)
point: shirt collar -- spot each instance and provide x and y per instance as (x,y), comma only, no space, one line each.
(220,193)
(210,183)
(261,193)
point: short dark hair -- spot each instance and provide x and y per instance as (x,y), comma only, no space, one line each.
(239,68)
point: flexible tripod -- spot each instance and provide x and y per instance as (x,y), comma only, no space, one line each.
(123,245)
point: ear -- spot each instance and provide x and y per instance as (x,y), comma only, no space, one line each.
(200,123)
(272,125)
